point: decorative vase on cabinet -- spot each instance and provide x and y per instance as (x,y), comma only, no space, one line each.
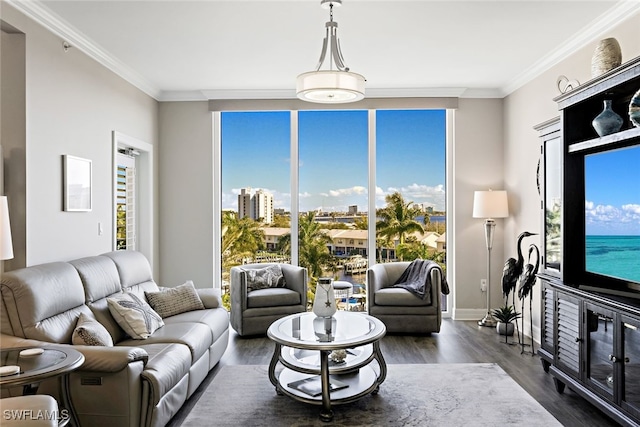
(608,121)
(606,56)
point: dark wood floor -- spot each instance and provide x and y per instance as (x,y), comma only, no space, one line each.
(457,342)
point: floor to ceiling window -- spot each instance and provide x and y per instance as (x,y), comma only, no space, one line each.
(332,173)
(333,199)
(410,185)
(255,188)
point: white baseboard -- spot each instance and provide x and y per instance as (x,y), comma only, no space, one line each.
(469,314)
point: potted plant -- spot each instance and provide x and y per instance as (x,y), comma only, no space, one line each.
(505,315)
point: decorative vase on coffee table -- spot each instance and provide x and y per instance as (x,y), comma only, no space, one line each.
(324,302)
(608,121)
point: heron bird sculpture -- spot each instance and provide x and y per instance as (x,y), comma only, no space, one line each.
(527,281)
(511,273)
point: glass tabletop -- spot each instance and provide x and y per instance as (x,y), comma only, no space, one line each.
(344,330)
(33,367)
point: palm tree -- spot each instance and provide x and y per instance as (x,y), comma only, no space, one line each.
(240,238)
(362,223)
(313,242)
(398,218)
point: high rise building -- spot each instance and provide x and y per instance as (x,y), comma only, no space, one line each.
(244,203)
(256,206)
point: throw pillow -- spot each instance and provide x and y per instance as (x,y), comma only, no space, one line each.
(268,277)
(89,331)
(172,301)
(134,315)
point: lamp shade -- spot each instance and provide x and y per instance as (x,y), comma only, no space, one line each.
(490,204)
(330,87)
(6,246)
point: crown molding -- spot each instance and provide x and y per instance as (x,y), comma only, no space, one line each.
(35,10)
(43,16)
(214,94)
(617,14)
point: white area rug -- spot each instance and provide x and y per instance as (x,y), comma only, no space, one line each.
(466,394)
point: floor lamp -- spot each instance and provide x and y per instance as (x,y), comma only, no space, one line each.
(489,205)
(6,246)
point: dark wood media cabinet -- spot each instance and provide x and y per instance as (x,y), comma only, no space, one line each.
(590,323)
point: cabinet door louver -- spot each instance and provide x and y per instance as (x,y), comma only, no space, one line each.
(547,339)
(568,350)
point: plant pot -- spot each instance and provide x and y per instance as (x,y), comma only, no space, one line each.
(505,328)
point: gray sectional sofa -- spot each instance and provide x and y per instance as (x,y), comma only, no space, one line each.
(136,382)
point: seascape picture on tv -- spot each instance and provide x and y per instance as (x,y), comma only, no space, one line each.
(612,213)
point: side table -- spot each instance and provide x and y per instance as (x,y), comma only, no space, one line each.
(52,362)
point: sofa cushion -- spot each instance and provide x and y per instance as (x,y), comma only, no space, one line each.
(272,297)
(43,302)
(171,301)
(217,320)
(99,276)
(196,336)
(134,270)
(268,277)
(134,315)
(399,296)
(89,332)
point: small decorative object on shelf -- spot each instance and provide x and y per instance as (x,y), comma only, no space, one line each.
(606,57)
(324,303)
(634,109)
(608,121)
(338,356)
(565,85)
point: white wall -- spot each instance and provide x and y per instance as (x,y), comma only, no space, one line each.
(72,106)
(186,201)
(533,104)
(13,138)
(478,165)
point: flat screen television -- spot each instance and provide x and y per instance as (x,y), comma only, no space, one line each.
(612,219)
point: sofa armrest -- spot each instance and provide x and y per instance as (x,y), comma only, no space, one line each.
(110,359)
(296,280)
(96,358)
(10,341)
(211,298)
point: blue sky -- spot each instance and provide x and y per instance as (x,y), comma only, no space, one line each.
(612,198)
(333,157)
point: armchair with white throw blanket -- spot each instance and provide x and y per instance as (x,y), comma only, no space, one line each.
(406,296)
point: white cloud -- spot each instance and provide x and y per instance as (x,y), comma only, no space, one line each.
(355,190)
(608,218)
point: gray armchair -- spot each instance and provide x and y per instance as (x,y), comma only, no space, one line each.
(253,312)
(399,309)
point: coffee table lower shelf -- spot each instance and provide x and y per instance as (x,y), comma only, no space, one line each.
(359,384)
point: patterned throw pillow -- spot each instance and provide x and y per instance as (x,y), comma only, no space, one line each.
(89,331)
(134,315)
(268,277)
(172,301)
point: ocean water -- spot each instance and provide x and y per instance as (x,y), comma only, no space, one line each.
(617,256)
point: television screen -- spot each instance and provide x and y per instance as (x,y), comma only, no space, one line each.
(612,213)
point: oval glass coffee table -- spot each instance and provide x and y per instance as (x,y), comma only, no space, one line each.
(327,361)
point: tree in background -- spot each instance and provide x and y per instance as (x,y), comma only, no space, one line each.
(241,238)
(398,219)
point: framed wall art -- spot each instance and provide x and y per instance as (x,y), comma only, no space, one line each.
(77,184)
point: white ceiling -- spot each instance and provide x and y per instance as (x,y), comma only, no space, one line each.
(215,49)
